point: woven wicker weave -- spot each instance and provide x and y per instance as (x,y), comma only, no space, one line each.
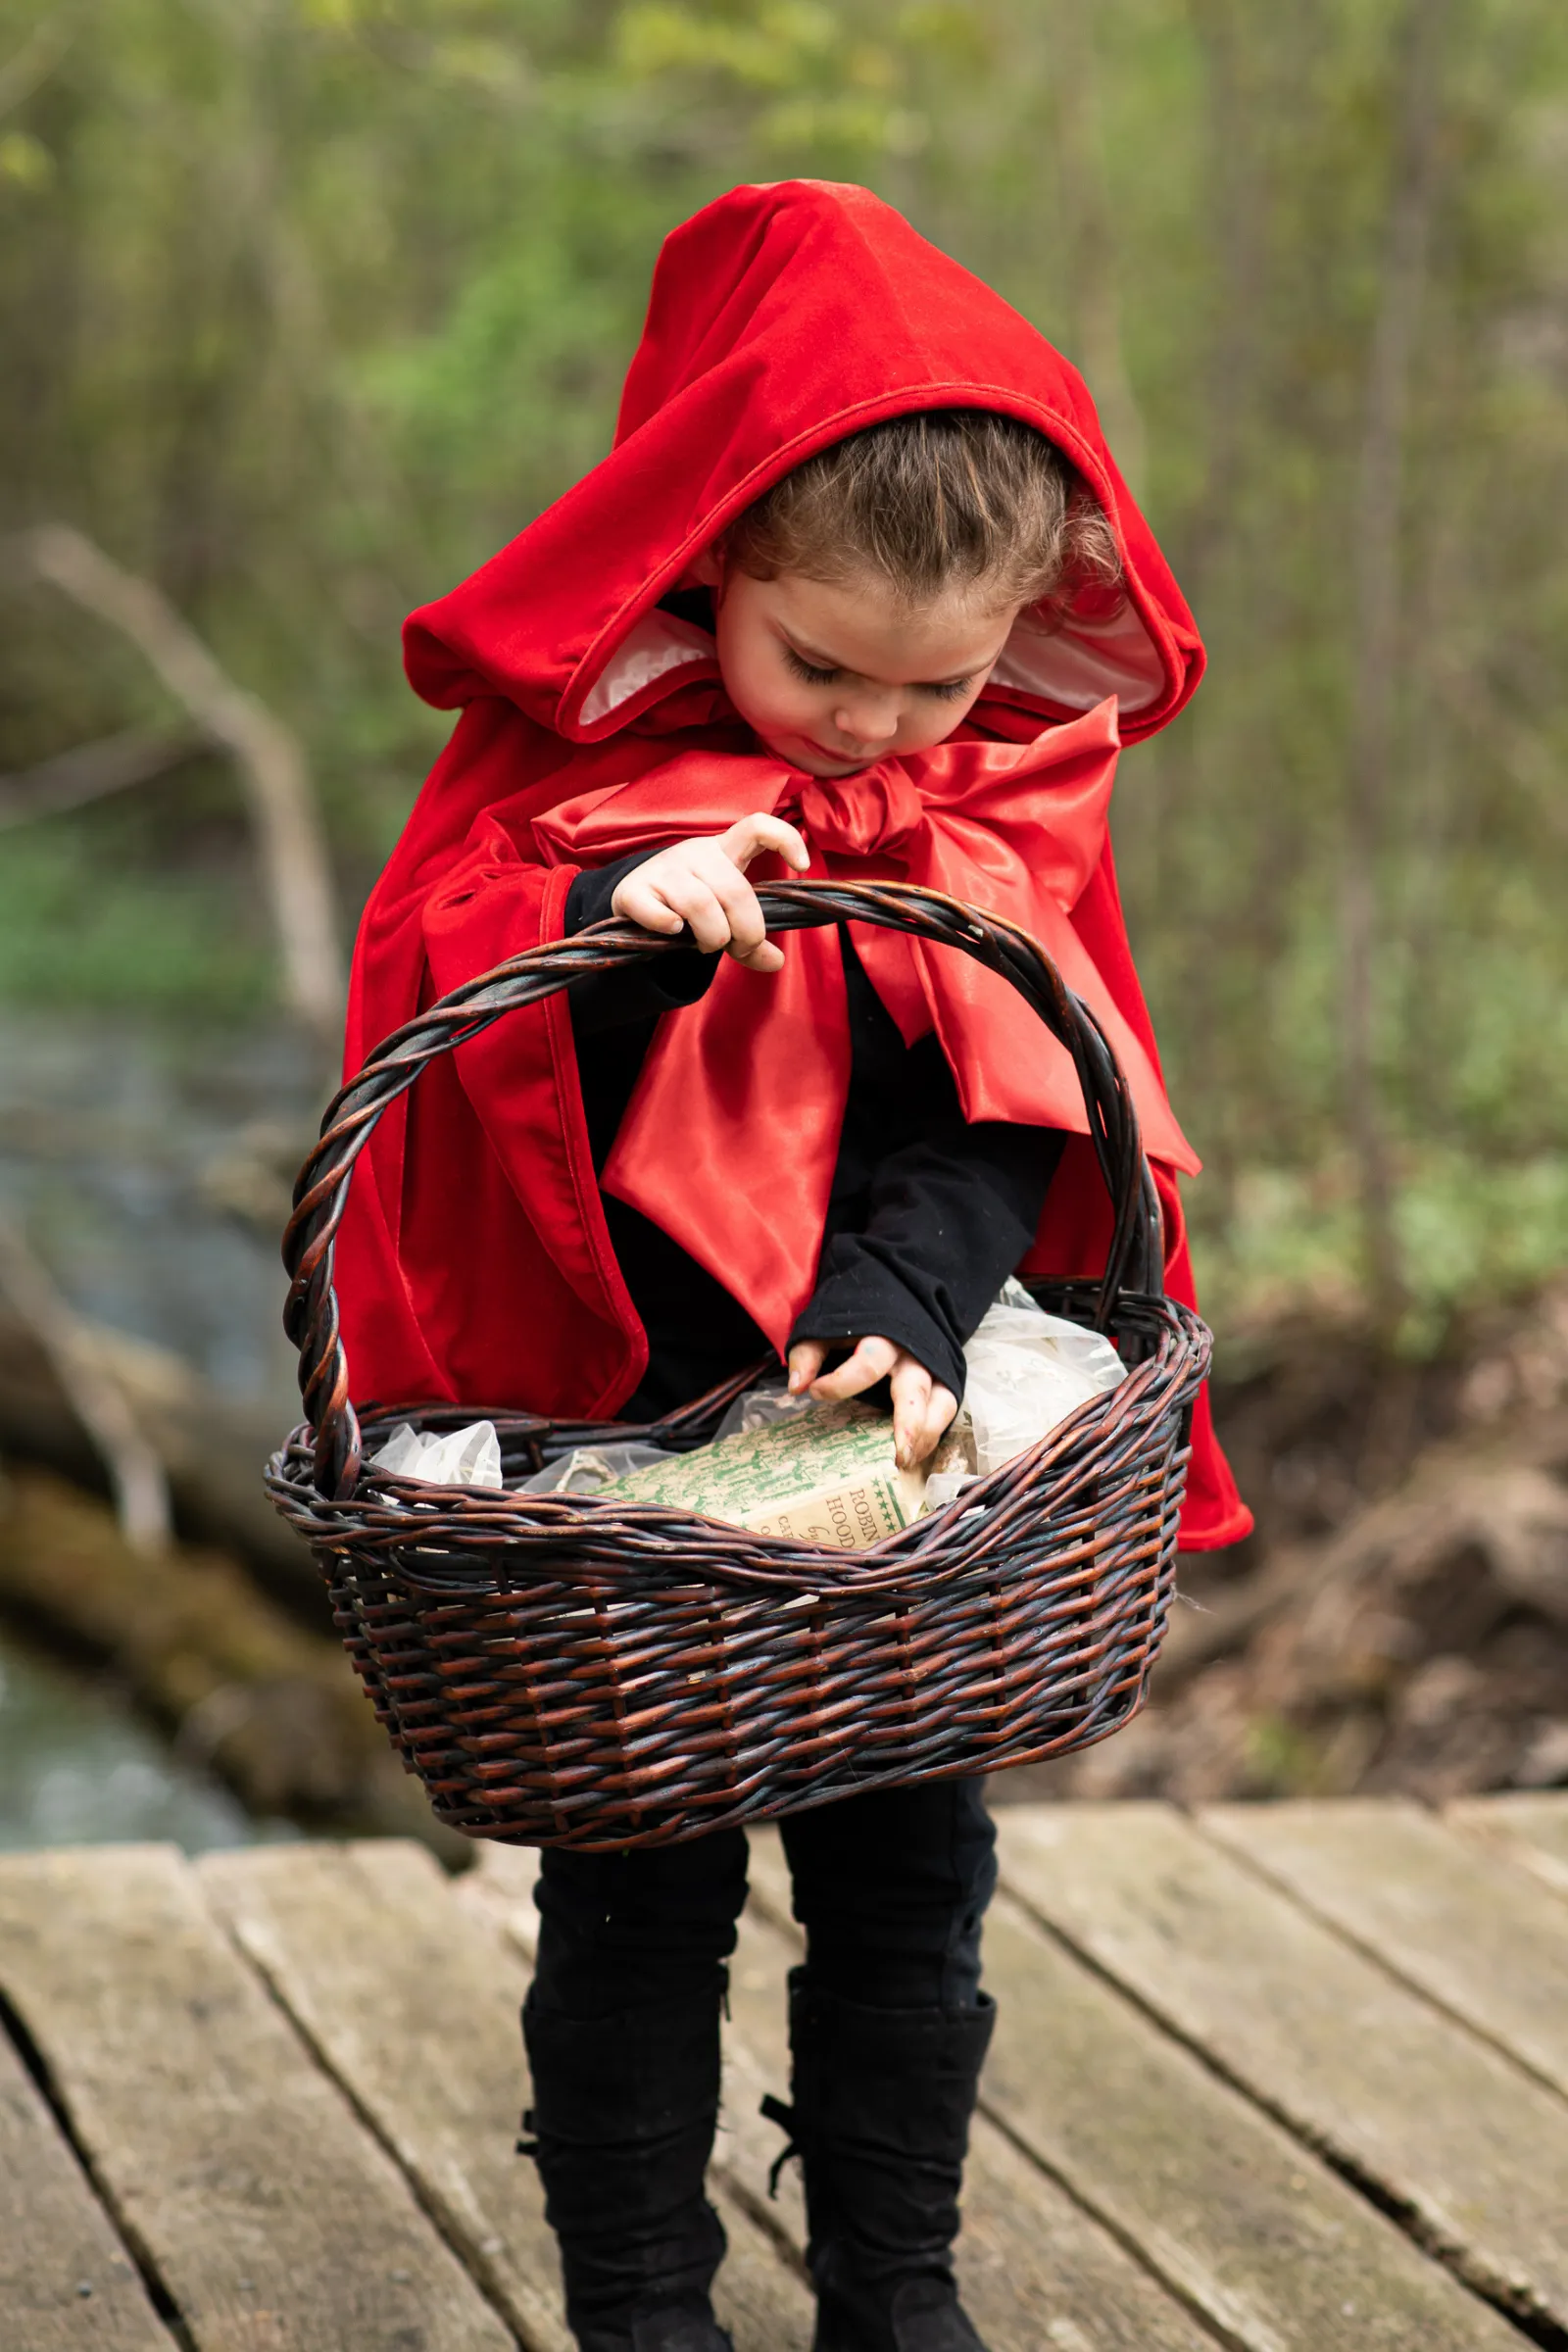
(571,1670)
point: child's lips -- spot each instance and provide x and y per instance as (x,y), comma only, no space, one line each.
(819,758)
(846,763)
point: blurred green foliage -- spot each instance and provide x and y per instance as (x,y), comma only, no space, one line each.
(308,305)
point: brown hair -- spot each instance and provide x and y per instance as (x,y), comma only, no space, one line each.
(947,498)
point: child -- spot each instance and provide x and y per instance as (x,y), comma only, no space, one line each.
(859,592)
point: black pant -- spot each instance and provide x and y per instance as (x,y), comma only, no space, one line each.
(890,1887)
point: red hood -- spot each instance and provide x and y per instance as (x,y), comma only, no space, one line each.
(781,320)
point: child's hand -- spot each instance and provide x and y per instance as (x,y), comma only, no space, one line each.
(701,884)
(921,1406)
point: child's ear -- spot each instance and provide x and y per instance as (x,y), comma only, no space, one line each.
(705,570)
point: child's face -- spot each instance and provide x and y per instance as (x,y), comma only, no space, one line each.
(834,677)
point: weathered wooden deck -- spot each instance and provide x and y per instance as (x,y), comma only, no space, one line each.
(1284,2079)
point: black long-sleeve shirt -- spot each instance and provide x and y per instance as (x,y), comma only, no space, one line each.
(927,1216)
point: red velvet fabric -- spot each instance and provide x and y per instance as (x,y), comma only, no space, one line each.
(473,1262)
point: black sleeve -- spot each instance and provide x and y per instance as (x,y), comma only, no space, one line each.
(949,1216)
(929,1215)
(640,992)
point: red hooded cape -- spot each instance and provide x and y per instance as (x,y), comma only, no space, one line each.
(473,1262)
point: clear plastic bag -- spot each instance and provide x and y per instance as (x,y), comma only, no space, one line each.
(455,1457)
(591,1469)
(1028,1371)
(760,1408)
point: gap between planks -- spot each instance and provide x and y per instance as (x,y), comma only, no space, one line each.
(66,2282)
(410,1998)
(1531,1829)
(1436,2124)
(1460,1923)
(1038,2274)
(230,2161)
(1250,2229)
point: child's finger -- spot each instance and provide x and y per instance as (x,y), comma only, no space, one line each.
(805,1363)
(737,848)
(921,1410)
(872,1360)
(764,958)
(747,927)
(751,835)
(638,902)
(912,1407)
(749,941)
(698,907)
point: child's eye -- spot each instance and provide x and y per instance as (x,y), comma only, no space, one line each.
(809,669)
(952,690)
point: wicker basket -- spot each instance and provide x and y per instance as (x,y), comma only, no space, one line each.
(578,1671)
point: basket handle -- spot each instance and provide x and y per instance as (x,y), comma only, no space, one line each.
(1135,1260)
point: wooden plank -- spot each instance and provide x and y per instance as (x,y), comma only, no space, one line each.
(1220,2203)
(500,1888)
(1217,2197)
(1530,1828)
(769,1877)
(66,2284)
(758,2307)
(755,2063)
(414,2011)
(1034,2269)
(1476,2150)
(410,1998)
(1463,1926)
(229,2160)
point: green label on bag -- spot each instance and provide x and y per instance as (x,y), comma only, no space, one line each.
(822,1476)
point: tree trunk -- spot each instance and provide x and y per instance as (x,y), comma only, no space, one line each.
(1085,211)
(288,833)
(1375,533)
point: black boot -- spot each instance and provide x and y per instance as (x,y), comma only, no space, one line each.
(882,2101)
(624,2110)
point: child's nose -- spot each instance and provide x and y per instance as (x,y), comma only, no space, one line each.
(868,720)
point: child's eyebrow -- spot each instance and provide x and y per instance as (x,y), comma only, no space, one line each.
(811,653)
(820,659)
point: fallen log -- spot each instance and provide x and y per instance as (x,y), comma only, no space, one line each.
(211,1450)
(273,1709)
(95,1396)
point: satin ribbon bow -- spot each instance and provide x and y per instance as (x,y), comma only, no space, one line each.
(731,1137)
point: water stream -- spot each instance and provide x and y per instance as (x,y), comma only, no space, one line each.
(77,1768)
(118,1145)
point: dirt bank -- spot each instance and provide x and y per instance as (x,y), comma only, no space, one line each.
(1400,1621)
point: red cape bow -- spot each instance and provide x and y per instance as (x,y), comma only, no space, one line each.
(1017,829)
